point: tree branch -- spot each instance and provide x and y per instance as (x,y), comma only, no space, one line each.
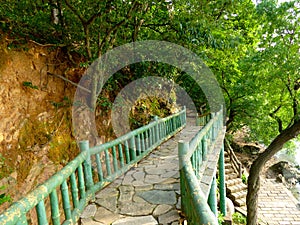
(95,16)
(111,30)
(74,10)
(279,121)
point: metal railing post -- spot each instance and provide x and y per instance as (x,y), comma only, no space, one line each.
(132,148)
(204,148)
(183,148)
(212,198)
(54,208)
(88,176)
(222,187)
(156,129)
(184,116)
(41,213)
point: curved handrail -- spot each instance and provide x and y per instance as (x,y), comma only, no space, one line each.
(192,154)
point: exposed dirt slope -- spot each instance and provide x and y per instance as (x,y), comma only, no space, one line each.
(35,128)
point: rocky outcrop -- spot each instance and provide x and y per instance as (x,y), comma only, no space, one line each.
(286,172)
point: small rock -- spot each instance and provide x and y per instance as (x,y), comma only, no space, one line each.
(14,175)
(19,158)
(229,207)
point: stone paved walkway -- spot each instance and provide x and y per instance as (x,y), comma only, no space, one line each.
(277,205)
(147,194)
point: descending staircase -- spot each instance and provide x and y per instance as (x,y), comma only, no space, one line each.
(235,188)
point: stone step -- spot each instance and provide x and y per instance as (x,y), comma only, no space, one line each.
(237,188)
(228,165)
(229,171)
(242,210)
(240,202)
(238,195)
(231,176)
(227,160)
(233,182)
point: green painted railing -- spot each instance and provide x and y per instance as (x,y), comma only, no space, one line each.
(62,198)
(203,119)
(192,156)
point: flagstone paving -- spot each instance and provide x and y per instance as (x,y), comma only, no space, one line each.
(148,194)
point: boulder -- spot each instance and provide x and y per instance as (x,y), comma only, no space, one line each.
(286,172)
(229,207)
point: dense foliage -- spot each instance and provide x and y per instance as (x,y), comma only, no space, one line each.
(252,49)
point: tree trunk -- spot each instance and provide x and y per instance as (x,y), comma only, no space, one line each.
(256,167)
(252,194)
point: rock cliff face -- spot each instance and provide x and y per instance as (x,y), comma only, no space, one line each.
(35,117)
